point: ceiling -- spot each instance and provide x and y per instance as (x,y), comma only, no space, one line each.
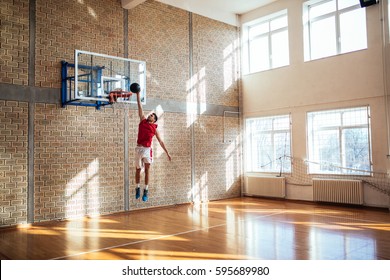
(221,10)
(231,6)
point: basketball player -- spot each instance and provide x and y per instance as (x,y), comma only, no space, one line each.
(147,128)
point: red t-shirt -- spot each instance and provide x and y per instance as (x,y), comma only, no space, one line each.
(146,131)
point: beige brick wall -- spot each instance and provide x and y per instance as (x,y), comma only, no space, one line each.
(78,161)
(79,151)
(217,163)
(66,25)
(13,162)
(215,61)
(159,35)
(14,41)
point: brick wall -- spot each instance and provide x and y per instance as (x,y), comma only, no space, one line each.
(63,26)
(217,163)
(13,162)
(78,166)
(215,81)
(215,61)
(14,40)
(159,35)
(79,156)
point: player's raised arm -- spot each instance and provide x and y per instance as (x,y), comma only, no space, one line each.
(135,88)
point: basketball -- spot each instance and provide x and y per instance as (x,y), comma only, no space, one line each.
(135,88)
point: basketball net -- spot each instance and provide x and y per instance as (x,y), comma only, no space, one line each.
(299,175)
(119,99)
(120,105)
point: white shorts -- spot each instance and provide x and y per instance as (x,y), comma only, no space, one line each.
(143,155)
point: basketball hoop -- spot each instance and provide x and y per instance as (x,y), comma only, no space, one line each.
(119,99)
(114,95)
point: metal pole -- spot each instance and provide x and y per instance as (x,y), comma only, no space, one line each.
(191,70)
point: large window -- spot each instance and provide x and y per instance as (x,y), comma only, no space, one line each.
(268,144)
(339,141)
(333,27)
(267,45)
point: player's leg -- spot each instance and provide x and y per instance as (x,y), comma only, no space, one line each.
(138,168)
(147,161)
(145,195)
(137,181)
(137,176)
(147,168)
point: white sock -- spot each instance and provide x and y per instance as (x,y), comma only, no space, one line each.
(137,186)
(146,187)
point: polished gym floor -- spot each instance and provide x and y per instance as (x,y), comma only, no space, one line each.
(241,228)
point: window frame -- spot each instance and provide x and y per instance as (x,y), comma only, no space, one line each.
(248,40)
(250,167)
(342,154)
(307,22)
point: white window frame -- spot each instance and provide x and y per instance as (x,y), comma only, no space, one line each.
(275,164)
(307,21)
(314,162)
(247,62)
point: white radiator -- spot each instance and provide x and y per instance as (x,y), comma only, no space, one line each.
(265,186)
(338,191)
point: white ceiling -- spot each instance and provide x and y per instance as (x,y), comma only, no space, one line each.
(231,6)
(221,10)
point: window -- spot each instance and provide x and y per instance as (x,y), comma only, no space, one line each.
(267,45)
(339,141)
(268,144)
(333,27)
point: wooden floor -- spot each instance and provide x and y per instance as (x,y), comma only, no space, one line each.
(242,228)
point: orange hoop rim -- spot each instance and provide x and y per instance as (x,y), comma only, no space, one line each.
(115,94)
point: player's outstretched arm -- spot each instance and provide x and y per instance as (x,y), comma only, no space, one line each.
(163,145)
